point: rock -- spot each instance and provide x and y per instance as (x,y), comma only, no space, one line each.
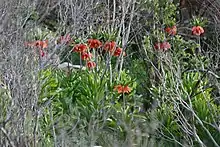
(66,65)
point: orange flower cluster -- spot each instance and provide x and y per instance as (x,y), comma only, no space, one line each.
(118,52)
(86,56)
(91,64)
(122,89)
(171,30)
(84,51)
(38,44)
(80,48)
(41,44)
(197,30)
(162,46)
(111,47)
(94,43)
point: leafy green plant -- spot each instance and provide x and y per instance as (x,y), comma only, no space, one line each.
(194,103)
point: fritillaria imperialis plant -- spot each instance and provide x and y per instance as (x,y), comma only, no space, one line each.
(171,30)
(38,44)
(197,30)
